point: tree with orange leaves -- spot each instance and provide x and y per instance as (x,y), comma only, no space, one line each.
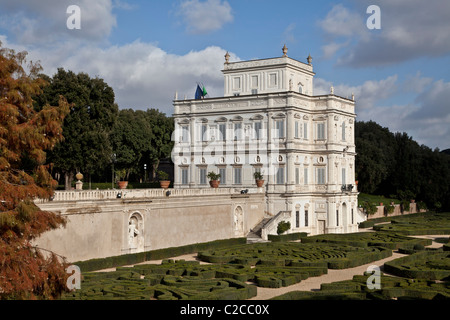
(25,134)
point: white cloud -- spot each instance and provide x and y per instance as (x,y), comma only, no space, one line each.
(42,23)
(435,102)
(288,34)
(367,95)
(426,118)
(330,49)
(205,17)
(416,83)
(141,74)
(409,29)
(340,21)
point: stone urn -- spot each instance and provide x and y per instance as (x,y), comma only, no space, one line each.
(79,184)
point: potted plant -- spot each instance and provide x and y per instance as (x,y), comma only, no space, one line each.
(164,181)
(214,179)
(259,179)
(121,176)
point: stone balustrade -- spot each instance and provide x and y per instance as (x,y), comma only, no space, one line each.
(110,194)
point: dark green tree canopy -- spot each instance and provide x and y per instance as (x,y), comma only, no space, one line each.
(394,164)
(141,137)
(86,129)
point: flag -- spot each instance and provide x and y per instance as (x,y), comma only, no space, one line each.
(198,93)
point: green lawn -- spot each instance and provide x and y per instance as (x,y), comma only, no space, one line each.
(376,199)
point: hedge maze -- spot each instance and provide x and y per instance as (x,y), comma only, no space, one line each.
(424,275)
(420,224)
(366,239)
(171,280)
(232,270)
(235,273)
(391,288)
(293,254)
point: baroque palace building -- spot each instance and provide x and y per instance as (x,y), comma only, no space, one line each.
(270,121)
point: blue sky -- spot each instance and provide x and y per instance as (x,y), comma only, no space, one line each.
(147,50)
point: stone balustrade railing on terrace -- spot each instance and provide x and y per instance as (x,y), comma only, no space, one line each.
(110,194)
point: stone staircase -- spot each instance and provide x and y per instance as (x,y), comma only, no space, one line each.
(254,236)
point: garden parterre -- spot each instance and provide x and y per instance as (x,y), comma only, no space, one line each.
(235,272)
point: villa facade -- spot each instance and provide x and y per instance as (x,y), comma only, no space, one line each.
(270,121)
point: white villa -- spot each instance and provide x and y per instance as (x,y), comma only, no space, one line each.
(269,120)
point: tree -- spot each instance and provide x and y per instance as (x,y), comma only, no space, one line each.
(375,155)
(161,144)
(87,128)
(395,164)
(141,137)
(130,138)
(25,134)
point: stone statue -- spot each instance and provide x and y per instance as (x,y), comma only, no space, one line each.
(133,232)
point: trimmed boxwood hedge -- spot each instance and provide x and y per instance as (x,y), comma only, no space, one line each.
(391,288)
(286,237)
(420,224)
(366,239)
(149,282)
(430,265)
(289,253)
(134,258)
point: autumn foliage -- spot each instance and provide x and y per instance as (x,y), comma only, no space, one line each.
(26,132)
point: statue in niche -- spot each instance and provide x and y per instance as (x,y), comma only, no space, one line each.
(238,220)
(133,233)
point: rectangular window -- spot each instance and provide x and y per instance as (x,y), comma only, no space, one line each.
(237,83)
(297,175)
(223,175)
(255,81)
(184,134)
(280,175)
(258,128)
(202,176)
(337,218)
(320,175)
(343,131)
(203,132)
(343,176)
(305,173)
(297,130)
(297,219)
(352,217)
(184,176)
(237,175)
(272,79)
(279,126)
(222,132)
(305,130)
(238,131)
(321,131)
(306,218)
